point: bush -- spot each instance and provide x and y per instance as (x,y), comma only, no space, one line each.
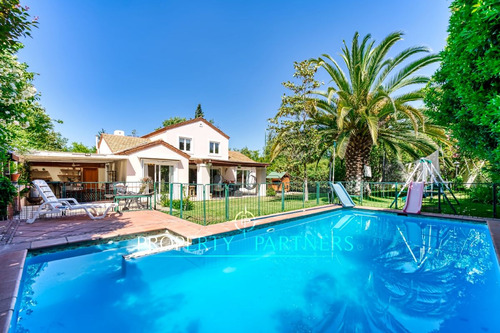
(481,194)
(270,192)
(458,184)
(7,194)
(176,204)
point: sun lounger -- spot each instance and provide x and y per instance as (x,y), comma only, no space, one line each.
(52,205)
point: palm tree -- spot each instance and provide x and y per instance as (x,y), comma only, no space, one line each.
(363,107)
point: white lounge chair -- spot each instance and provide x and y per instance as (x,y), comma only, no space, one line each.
(52,205)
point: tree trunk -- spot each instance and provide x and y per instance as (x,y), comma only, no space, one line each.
(356,157)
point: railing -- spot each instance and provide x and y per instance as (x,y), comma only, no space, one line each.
(214,203)
(29,200)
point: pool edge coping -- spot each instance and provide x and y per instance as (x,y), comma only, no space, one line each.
(10,287)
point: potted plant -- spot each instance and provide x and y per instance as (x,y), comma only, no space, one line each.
(7,194)
(14,172)
(147,183)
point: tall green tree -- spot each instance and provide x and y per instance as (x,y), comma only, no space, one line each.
(466,94)
(38,131)
(78,147)
(199,112)
(24,124)
(172,121)
(296,138)
(253,154)
(15,22)
(365,106)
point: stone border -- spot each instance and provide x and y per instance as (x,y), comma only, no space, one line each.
(12,272)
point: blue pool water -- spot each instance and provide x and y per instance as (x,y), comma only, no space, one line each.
(344,271)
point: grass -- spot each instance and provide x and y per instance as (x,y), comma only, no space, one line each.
(219,210)
(214,211)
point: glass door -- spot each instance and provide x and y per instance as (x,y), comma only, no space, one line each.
(159,173)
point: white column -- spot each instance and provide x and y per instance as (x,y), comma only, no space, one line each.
(202,178)
(261,180)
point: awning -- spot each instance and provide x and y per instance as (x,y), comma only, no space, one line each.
(68,157)
(228,163)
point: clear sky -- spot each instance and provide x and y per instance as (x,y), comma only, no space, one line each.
(130,64)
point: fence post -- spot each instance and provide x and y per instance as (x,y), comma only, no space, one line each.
(226,194)
(171,190)
(204,207)
(317,193)
(182,203)
(396,195)
(495,198)
(361,190)
(282,197)
(154,194)
(258,199)
(439,198)
(304,195)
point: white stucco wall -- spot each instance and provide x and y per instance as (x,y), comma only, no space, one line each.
(104,148)
(161,154)
(200,134)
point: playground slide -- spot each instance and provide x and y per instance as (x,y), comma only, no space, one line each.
(344,197)
(414,197)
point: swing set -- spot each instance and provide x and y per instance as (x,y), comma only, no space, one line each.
(427,173)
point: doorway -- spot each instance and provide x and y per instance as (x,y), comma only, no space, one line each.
(160,173)
(90,175)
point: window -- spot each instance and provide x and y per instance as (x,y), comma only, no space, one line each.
(185,144)
(214,147)
(242,177)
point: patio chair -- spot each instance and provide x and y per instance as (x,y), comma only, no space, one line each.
(52,205)
(144,190)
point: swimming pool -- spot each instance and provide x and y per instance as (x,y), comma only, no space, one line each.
(346,270)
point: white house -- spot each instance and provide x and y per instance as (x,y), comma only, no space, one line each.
(190,152)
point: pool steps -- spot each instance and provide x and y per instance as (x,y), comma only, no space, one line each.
(158,244)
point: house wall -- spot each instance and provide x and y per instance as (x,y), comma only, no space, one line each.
(104,148)
(135,163)
(200,134)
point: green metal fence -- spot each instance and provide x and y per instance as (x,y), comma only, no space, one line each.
(215,203)
(474,199)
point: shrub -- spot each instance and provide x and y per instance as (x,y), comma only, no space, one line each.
(7,194)
(458,184)
(481,194)
(176,204)
(270,192)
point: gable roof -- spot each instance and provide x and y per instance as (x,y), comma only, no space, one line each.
(118,143)
(187,122)
(276,175)
(150,144)
(236,156)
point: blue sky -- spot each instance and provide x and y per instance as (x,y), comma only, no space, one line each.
(131,64)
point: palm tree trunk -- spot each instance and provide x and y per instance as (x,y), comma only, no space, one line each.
(357,156)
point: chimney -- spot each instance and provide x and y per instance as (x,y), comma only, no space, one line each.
(119,132)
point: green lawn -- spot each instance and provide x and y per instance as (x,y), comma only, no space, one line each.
(214,211)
